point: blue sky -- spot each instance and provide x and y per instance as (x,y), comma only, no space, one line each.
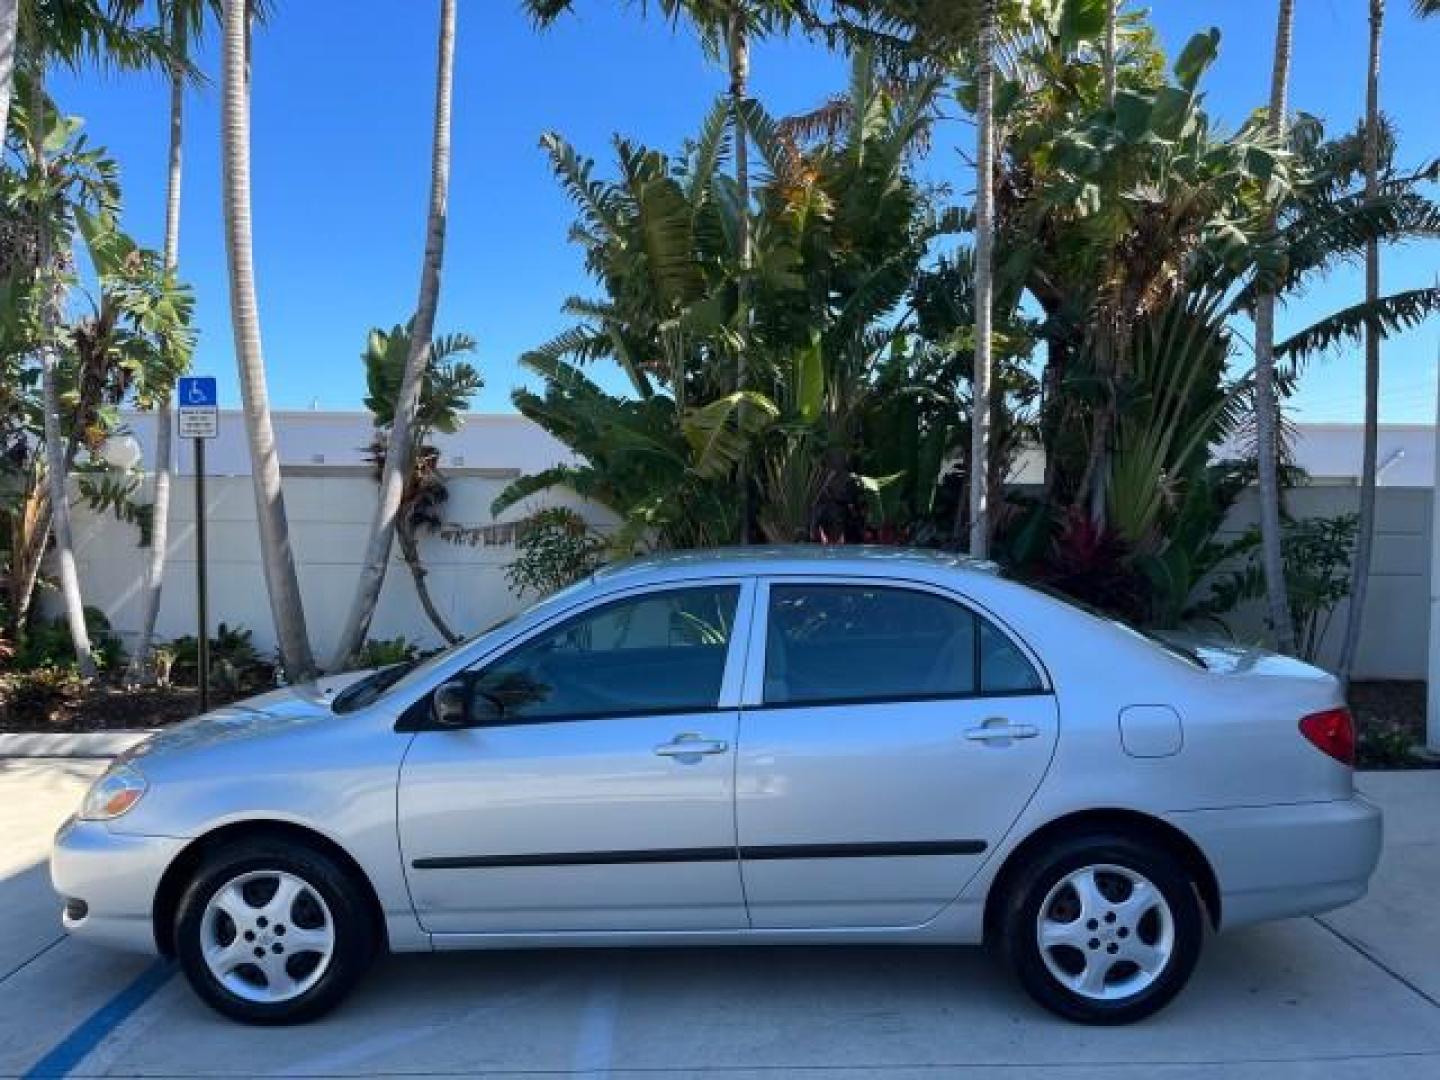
(341,115)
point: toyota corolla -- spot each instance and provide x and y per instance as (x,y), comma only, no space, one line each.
(744,747)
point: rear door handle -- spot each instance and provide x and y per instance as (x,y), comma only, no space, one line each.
(997,730)
(691,745)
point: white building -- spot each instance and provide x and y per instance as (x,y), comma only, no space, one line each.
(329,498)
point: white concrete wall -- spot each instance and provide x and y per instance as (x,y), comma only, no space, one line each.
(329,519)
(1393,644)
(330,512)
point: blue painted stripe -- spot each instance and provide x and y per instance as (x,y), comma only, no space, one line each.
(92,1031)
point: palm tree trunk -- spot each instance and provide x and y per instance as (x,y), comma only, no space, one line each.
(399,459)
(1267,411)
(1365,538)
(9,32)
(164,439)
(1109,59)
(55,463)
(984,286)
(410,551)
(738,46)
(29,536)
(281,582)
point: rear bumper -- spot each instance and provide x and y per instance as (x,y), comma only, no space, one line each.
(114,877)
(1274,862)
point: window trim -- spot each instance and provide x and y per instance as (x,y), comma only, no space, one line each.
(754,693)
(413,718)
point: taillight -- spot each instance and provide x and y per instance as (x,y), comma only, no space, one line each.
(1332,731)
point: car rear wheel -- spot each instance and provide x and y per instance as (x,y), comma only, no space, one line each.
(272,932)
(1103,929)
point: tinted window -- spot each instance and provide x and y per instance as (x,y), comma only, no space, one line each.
(857,643)
(660,652)
(1004,669)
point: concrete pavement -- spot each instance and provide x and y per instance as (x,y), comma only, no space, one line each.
(1355,995)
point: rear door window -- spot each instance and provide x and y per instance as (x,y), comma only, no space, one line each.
(832,643)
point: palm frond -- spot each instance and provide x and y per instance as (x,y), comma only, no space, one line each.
(1388,315)
(577,478)
(711,150)
(595,199)
(1341,232)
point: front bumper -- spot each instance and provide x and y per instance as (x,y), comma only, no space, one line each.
(115,877)
(1275,862)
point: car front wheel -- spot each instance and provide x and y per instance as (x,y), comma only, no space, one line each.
(271,932)
(1103,929)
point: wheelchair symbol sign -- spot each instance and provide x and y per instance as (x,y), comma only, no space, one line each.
(198,407)
(198,392)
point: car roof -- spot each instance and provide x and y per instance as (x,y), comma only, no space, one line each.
(791,559)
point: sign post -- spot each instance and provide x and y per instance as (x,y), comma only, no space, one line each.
(200,420)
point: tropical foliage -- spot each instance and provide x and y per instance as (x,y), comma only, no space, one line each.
(1133,235)
(799,328)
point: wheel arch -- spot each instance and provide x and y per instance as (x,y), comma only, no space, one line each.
(183,866)
(1132,823)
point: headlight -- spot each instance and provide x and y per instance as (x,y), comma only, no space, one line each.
(114,793)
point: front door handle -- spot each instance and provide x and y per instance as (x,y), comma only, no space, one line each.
(692,746)
(997,729)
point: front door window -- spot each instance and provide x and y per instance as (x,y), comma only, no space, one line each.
(661,652)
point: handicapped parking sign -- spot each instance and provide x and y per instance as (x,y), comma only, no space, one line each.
(198,391)
(199,407)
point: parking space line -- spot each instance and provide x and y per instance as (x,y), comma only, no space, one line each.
(92,1031)
(1386,968)
(31,959)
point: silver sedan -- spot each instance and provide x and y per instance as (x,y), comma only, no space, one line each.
(725,748)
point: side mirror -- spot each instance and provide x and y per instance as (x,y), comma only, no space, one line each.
(449,706)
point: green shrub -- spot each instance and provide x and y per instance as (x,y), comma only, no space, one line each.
(382,652)
(555,548)
(48,645)
(235,663)
(1386,746)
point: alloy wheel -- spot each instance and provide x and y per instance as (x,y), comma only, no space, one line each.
(267,936)
(1105,932)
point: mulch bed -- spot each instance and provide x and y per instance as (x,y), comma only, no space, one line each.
(31,703)
(1390,722)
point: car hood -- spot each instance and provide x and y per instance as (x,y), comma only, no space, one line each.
(302,705)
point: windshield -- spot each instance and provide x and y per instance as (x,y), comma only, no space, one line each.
(372,687)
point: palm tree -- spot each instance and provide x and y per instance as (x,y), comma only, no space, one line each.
(397,467)
(735,23)
(50,297)
(71,31)
(185,20)
(1365,538)
(981,404)
(9,33)
(67,32)
(1267,418)
(281,582)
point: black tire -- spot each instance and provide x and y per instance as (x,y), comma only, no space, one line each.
(355,936)
(1032,886)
